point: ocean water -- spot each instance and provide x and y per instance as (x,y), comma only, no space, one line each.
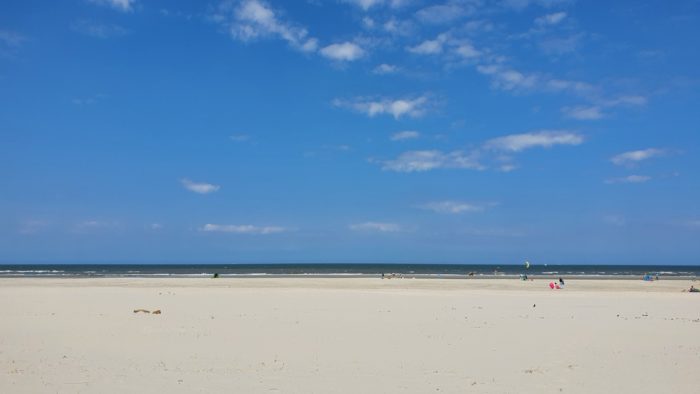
(344,270)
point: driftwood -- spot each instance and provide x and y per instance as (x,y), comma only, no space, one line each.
(156,312)
(141,310)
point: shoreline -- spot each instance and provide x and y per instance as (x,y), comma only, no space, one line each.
(369,284)
(353,276)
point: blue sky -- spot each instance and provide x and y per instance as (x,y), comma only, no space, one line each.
(350,131)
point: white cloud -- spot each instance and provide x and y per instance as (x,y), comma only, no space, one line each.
(367,4)
(346,51)
(550,19)
(155,226)
(199,187)
(583,112)
(405,135)
(544,139)
(384,68)
(376,227)
(467,51)
(593,112)
(426,160)
(98,30)
(242,229)
(508,79)
(635,156)
(368,22)
(442,13)
(398,27)
(429,47)
(522,4)
(629,179)
(248,20)
(412,107)
(121,5)
(453,207)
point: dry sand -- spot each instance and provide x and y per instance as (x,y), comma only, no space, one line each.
(348,336)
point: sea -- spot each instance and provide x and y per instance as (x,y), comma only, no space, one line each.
(456,271)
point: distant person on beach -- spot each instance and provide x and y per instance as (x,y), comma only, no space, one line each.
(561,282)
(693,289)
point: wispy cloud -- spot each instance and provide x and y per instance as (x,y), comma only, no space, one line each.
(629,179)
(595,111)
(467,51)
(426,160)
(33,226)
(444,13)
(430,47)
(542,139)
(367,4)
(630,101)
(93,225)
(381,227)
(120,5)
(508,79)
(578,87)
(582,112)
(240,137)
(412,107)
(454,207)
(248,20)
(97,29)
(615,220)
(384,69)
(522,4)
(633,157)
(11,39)
(242,229)
(199,187)
(692,223)
(551,19)
(346,51)
(89,100)
(405,135)
(398,27)
(560,45)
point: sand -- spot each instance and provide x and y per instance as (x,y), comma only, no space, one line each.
(363,335)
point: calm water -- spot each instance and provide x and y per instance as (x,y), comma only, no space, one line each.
(417,270)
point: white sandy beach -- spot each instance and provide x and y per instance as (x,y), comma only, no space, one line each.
(364,335)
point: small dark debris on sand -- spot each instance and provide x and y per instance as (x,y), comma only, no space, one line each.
(155,312)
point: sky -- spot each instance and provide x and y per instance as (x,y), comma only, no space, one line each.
(260,131)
